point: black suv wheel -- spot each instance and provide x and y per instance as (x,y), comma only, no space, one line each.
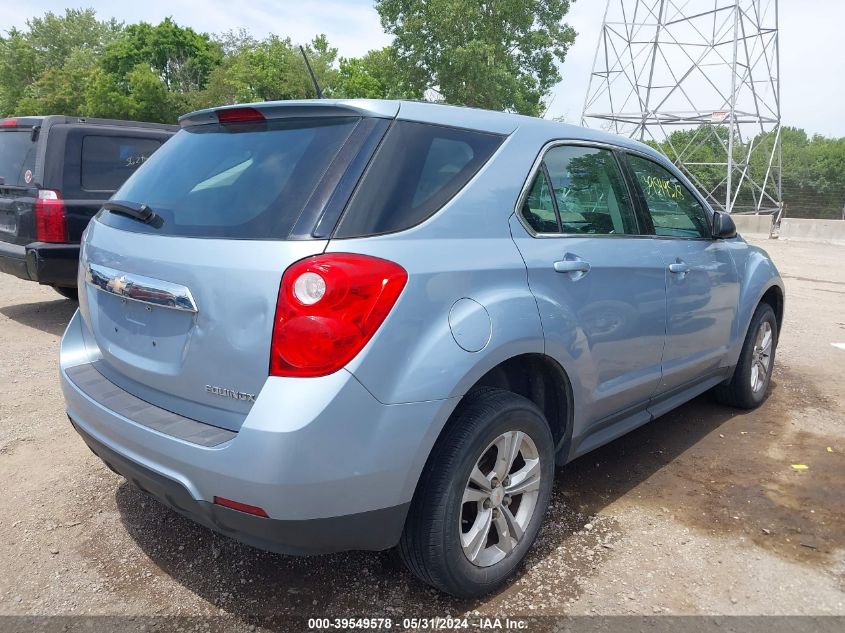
(67,293)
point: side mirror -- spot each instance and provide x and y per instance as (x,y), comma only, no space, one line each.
(723,226)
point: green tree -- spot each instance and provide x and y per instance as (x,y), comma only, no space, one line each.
(704,145)
(269,69)
(104,98)
(497,54)
(151,100)
(813,174)
(355,81)
(376,75)
(55,37)
(180,56)
(19,68)
(152,73)
(812,168)
(61,89)
(140,95)
(43,66)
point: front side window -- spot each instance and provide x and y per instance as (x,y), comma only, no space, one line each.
(107,161)
(589,192)
(674,210)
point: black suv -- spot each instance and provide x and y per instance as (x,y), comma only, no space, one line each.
(55,174)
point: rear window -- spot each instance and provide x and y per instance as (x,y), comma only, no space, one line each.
(17,157)
(418,168)
(107,161)
(239,181)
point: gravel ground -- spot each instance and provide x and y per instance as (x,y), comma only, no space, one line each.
(699,512)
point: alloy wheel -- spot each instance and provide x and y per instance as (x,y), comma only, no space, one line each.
(499,498)
(761,359)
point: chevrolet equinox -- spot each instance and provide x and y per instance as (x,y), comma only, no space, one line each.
(328,325)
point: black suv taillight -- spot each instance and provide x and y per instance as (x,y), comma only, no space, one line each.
(50,217)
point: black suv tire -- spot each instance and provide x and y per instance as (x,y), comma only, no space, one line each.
(67,293)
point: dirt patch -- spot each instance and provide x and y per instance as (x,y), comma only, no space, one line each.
(258,586)
(723,471)
(50,317)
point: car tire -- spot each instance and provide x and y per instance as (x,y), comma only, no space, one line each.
(444,529)
(67,292)
(749,385)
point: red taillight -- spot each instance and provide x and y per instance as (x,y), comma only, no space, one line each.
(9,123)
(241,507)
(329,307)
(240,115)
(50,220)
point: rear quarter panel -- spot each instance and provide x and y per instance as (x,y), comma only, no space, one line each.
(464,251)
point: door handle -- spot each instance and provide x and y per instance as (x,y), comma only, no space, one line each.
(572,266)
(679,267)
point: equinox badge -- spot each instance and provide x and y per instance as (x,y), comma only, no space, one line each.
(230,393)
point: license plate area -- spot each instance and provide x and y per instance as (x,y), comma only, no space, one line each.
(142,336)
(8,222)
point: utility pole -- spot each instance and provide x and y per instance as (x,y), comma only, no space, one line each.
(710,68)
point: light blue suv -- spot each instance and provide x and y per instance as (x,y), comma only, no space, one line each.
(326,325)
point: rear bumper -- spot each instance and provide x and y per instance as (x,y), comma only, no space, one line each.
(333,468)
(375,530)
(51,264)
(13,260)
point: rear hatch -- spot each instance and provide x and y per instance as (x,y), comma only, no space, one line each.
(181,306)
(18,141)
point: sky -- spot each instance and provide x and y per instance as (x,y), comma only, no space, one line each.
(812,63)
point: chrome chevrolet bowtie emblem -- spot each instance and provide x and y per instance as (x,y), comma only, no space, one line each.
(118,285)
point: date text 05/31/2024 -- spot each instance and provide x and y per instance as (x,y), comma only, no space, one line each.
(430,624)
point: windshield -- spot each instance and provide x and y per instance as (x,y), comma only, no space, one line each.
(17,157)
(237,181)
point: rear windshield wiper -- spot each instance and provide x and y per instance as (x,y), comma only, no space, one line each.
(136,211)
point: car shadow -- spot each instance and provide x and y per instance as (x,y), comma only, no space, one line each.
(263,588)
(51,317)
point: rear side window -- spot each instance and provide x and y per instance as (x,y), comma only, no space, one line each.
(589,191)
(17,156)
(107,161)
(239,181)
(418,168)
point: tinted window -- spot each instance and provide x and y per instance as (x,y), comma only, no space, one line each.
(107,161)
(538,208)
(241,181)
(17,155)
(417,169)
(590,193)
(674,210)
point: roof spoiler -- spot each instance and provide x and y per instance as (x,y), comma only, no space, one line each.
(299,109)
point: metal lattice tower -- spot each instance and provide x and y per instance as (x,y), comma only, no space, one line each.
(702,78)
